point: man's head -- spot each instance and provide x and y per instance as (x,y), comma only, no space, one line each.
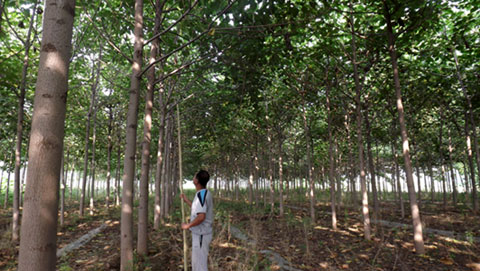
(202,178)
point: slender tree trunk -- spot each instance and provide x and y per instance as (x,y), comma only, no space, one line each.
(18,146)
(452,174)
(365,211)
(376,205)
(7,192)
(442,162)
(280,174)
(39,226)
(87,137)
(470,164)
(432,181)
(159,180)
(331,168)
(126,229)
(416,220)
(62,191)
(473,128)
(117,173)
(109,156)
(93,165)
(309,164)
(142,241)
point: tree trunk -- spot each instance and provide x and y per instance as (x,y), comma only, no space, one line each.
(280,174)
(93,166)
(142,241)
(87,137)
(376,208)
(473,128)
(309,163)
(126,240)
(331,168)
(39,227)
(18,146)
(62,191)
(117,173)
(109,156)
(159,180)
(416,220)
(7,192)
(442,162)
(365,212)
(470,164)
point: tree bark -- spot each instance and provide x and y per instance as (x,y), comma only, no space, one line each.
(473,128)
(39,227)
(470,164)
(18,146)
(309,163)
(376,205)
(94,151)
(109,156)
(416,220)
(87,137)
(280,174)
(142,241)
(126,229)
(331,168)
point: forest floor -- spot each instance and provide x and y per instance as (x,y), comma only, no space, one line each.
(305,245)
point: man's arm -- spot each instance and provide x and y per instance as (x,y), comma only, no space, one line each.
(197,221)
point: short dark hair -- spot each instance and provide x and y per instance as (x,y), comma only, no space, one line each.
(203,177)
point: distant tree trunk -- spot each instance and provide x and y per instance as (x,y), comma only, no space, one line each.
(109,156)
(309,163)
(452,174)
(7,192)
(117,174)
(93,165)
(251,169)
(473,128)
(280,173)
(432,181)
(256,174)
(442,162)
(87,137)
(465,174)
(416,220)
(376,206)
(22,190)
(39,224)
(18,146)
(470,164)
(397,175)
(62,190)
(365,211)
(331,168)
(126,229)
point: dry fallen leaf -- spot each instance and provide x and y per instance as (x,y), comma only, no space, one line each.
(447,261)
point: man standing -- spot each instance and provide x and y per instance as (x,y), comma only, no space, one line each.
(201,219)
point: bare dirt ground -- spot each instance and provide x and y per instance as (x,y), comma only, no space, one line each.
(306,245)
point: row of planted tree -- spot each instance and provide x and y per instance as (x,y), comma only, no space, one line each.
(347,96)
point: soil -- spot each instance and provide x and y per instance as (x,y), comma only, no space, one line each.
(306,245)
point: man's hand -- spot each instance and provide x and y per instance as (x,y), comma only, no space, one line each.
(185,226)
(183,197)
(186,200)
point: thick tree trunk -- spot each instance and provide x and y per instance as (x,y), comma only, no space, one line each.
(126,229)
(39,226)
(18,145)
(416,220)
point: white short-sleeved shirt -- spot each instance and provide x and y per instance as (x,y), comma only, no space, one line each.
(202,203)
